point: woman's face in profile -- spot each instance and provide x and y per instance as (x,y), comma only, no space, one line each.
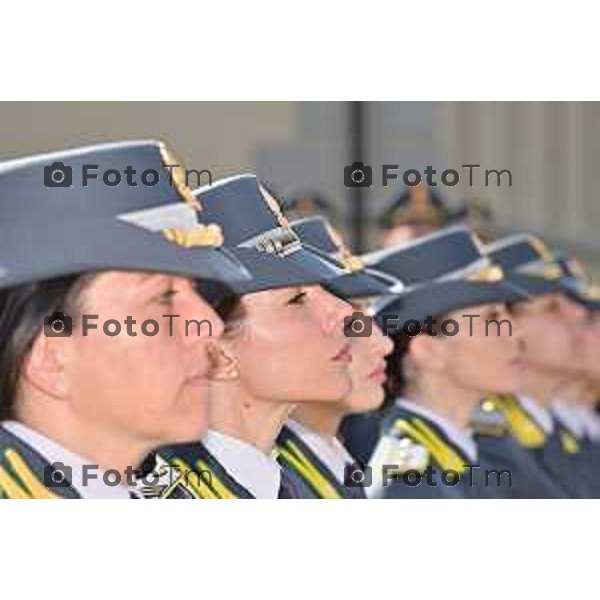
(153,388)
(289,345)
(368,368)
(485,354)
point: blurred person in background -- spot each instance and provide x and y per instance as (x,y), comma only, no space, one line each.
(551,324)
(433,387)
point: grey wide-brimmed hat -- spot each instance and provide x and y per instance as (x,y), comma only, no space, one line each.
(444,271)
(73,211)
(360,281)
(532,265)
(258,234)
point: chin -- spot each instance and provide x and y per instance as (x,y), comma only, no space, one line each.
(189,428)
(364,401)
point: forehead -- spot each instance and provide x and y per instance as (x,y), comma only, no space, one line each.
(124,283)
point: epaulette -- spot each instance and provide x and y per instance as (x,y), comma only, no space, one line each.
(488,419)
(439,448)
(292,454)
(18,481)
(521,425)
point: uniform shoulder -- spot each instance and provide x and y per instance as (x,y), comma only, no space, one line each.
(517,421)
(398,445)
(488,419)
(22,471)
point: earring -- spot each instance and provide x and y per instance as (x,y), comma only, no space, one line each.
(225,366)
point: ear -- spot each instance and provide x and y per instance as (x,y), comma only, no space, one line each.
(44,366)
(224,363)
(428,353)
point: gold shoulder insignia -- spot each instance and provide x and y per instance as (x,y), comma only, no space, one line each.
(301,463)
(520,424)
(24,484)
(446,457)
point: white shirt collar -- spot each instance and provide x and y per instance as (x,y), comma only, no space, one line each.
(329,450)
(590,421)
(54,452)
(462,437)
(258,473)
(539,414)
(570,416)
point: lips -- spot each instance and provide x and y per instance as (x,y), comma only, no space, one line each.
(378,373)
(344,355)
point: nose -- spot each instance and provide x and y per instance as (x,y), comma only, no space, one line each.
(332,310)
(383,344)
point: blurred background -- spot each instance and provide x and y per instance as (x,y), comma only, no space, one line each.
(301,149)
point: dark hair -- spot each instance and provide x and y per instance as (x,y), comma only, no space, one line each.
(22,312)
(396,380)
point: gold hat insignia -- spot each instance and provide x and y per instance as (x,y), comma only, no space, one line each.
(200,236)
(178,178)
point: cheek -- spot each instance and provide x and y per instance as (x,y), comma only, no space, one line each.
(125,373)
(290,365)
(482,362)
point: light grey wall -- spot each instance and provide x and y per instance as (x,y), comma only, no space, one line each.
(551,148)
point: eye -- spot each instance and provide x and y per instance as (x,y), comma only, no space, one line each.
(299,298)
(166,297)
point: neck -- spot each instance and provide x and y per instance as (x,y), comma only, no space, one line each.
(322,418)
(543,387)
(575,391)
(238,414)
(104,446)
(453,403)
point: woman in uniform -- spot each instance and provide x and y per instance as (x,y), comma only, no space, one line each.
(436,378)
(80,406)
(283,345)
(308,446)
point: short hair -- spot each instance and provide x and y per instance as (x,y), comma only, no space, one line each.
(22,312)
(396,377)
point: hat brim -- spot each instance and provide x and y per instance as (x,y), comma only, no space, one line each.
(354,284)
(69,246)
(537,286)
(438,299)
(361,284)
